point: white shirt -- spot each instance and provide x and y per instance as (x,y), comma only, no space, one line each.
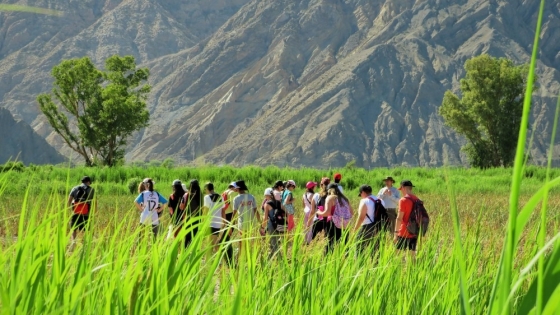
(216,209)
(391,201)
(370,205)
(307,197)
(150,202)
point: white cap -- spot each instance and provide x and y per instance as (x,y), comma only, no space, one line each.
(234,184)
(268,192)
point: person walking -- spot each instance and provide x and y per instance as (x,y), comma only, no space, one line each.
(306,203)
(390,196)
(338,212)
(150,203)
(365,224)
(191,203)
(228,196)
(274,220)
(288,203)
(337,179)
(403,240)
(278,189)
(246,214)
(80,201)
(214,205)
(177,215)
(317,223)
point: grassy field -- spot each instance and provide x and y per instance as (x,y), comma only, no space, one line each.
(118,269)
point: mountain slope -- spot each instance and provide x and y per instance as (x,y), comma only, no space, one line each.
(19,142)
(319,82)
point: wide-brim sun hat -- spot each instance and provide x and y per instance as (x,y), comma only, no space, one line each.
(291,182)
(389,178)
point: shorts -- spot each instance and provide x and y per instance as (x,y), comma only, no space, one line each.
(79,222)
(215,231)
(406,243)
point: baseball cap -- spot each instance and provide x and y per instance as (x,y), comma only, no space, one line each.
(406,183)
(234,185)
(268,192)
(365,188)
(147,179)
(86,179)
(176,183)
(290,182)
(338,176)
(325,181)
(310,185)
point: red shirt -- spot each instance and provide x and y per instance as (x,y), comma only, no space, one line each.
(405,205)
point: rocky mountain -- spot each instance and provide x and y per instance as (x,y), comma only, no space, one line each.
(19,142)
(310,82)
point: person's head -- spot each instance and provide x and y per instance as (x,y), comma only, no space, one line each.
(310,187)
(233,186)
(290,185)
(269,194)
(389,181)
(209,188)
(337,178)
(194,188)
(406,186)
(365,191)
(279,185)
(86,180)
(333,190)
(148,184)
(325,181)
(242,187)
(178,189)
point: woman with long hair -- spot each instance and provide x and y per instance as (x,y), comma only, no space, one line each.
(338,211)
(316,223)
(191,203)
(306,202)
(177,215)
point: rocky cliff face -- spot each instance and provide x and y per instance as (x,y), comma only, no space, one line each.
(19,142)
(318,83)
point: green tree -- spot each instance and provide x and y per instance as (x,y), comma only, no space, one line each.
(489,112)
(96,111)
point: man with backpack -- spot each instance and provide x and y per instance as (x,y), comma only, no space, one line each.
(80,200)
(368,224)
(412,220)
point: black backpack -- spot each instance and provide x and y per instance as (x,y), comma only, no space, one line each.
(277,215)
(82,195)
(419,220)
(380,216)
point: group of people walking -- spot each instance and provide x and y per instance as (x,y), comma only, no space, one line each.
(326,210)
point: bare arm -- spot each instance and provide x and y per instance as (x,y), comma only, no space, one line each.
(398,224)
(70,199)
(138,206)
(329,204)
(362,211)
(267,209)
(311,213)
